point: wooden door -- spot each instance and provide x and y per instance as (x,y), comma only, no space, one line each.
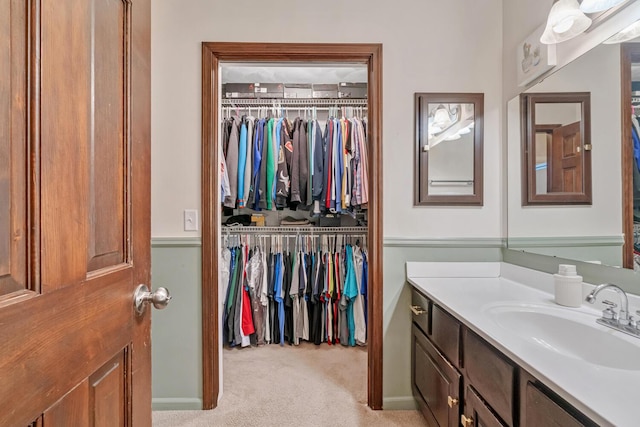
(74,212)
(566,159)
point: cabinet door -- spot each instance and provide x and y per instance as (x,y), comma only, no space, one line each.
(491,374)
(477,413)
(541,410)
(435,382)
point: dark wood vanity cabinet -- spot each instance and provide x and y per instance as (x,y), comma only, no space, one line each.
(460,379)
(436,383)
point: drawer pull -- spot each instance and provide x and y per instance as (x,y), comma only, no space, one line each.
(417,310)
(466,421)
(452,401)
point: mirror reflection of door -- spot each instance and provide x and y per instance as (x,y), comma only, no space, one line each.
(566,159)
(558,165)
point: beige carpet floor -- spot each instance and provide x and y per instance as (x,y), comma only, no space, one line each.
(292,386)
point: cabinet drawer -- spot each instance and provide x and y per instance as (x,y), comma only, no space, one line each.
(420,308)
(477,413)
(491,374)
(541,410)
(445,334)
(435,382)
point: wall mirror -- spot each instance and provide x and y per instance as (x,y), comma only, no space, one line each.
(603,231)
(448,160)
(556,148)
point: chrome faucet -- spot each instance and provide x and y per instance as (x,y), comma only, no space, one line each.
(623,316)
(622,321)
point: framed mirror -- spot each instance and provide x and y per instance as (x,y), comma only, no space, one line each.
(556,148)
(449,139)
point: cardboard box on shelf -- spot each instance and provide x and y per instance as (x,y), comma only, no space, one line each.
(352,90)
(238,90)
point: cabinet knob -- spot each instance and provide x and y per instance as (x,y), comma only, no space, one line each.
(466,421)
(452,401)
(417,310)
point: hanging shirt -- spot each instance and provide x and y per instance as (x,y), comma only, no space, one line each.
(225,188)
(242,162)
(318,162)
(278,294)
(271,170)
(249,162)
(232,164)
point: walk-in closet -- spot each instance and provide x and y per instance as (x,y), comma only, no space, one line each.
(294,175)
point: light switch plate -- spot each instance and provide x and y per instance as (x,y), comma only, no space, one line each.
(190,220)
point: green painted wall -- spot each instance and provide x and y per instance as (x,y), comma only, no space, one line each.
(176,332)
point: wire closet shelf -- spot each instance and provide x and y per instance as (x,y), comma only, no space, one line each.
(292,230)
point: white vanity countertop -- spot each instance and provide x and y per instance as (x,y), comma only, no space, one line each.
(607,395)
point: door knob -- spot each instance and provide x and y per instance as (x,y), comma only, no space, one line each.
(160,298)
(466,421)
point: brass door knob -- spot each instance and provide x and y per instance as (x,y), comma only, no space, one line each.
(466,421)
(452,401)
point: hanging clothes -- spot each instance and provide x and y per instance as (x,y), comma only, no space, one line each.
(273,163)
(277,295)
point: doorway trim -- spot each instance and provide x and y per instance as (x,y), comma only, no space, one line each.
(212,54)
(629,53)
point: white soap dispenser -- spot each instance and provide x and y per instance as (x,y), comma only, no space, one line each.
(568,286)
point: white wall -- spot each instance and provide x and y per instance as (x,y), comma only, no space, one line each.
(428,46)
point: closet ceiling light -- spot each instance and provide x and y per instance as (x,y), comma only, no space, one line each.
(565,22)
(629,33)
(593,6)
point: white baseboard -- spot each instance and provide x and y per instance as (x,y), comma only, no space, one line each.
(402,403)
(175,404)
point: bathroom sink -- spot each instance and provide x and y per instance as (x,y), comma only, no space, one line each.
(569,333)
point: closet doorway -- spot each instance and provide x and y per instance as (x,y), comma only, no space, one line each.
(213,53)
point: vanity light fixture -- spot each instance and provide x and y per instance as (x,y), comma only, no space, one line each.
(565,22)
(441,117)
(629,33)
(594,6)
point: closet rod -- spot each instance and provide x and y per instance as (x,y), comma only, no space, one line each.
(302,102)
(297,230)
(244,107)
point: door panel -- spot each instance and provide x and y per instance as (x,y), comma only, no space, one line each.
(13,177)
(96,401)
(72,410)
(109,141)
(78,233)
(65,124)
(567,159)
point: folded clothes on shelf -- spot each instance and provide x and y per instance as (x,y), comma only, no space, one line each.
(290,221)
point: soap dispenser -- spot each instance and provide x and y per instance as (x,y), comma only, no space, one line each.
(568,286)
